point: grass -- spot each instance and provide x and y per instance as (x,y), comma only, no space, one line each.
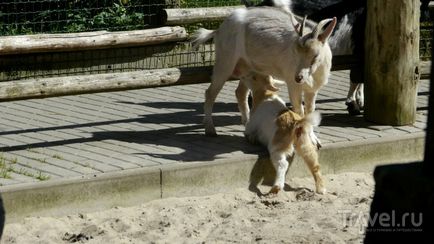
(6,168)
(41,160)
(39,175)
(57,156)
(42,177)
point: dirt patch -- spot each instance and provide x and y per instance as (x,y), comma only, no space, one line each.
(296,215)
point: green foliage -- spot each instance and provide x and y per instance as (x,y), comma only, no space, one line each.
(116,16)
(74,16)
(426,45)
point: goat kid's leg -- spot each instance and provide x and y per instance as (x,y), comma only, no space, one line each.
(295,95)
(309,99)
(307,151)
(242,92)
(309,102)
(314,139)
(280,163)
(251,135)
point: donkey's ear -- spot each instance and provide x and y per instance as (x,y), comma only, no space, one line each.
(324,35)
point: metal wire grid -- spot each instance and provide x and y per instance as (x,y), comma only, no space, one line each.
(61,16)
(426,42)
(206,3)
(57,16)
(17,67)
(19,17)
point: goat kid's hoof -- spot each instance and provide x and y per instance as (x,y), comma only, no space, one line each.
(274,190)
(318,145)
(321,190)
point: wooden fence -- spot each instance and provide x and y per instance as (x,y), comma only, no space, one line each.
(66,85)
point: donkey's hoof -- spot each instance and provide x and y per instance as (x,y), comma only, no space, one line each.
(353,108)
(210,129)
(211,133)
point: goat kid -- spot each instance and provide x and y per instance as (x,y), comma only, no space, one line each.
(347,38)
(267,41)
(283,132)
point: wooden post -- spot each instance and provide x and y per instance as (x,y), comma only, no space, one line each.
(391,61)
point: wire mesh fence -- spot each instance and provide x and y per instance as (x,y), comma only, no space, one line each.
(20,17)
(63,16)
(426,42)
(15,67)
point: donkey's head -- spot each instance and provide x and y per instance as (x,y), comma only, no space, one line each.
(310,48)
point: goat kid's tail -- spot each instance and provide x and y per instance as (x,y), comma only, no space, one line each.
(304,130)
(312,119)
(201,36)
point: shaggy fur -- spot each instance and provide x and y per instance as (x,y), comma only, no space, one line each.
(268,42)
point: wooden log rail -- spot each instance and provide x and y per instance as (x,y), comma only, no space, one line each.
(182,16)
(69,85)
(81,84)
(10,45)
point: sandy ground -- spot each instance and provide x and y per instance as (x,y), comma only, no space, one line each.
(296,215)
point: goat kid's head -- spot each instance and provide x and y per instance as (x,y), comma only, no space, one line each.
(310,48)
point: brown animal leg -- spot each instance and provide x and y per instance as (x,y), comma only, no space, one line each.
(308,152)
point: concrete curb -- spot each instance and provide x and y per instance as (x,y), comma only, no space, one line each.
(133,187)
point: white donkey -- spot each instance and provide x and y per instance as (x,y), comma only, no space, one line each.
(267,41)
